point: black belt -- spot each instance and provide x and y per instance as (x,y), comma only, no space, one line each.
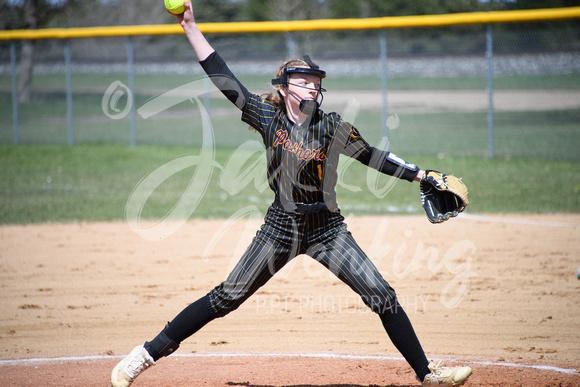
(301,208)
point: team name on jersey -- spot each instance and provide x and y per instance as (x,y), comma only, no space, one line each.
(302,154)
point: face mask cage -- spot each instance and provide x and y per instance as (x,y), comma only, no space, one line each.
(306,107)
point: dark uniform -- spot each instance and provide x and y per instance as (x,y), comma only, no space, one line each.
(303,219)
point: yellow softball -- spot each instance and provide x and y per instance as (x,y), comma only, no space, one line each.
(176,7)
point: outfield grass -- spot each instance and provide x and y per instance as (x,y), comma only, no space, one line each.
(46,183)
(526,134)
(545,135)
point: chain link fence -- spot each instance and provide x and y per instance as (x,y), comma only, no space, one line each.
(501,91)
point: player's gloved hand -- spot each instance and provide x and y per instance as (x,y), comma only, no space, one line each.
(442,196)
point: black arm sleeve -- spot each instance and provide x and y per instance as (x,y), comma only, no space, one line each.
(390,164)
(222,77)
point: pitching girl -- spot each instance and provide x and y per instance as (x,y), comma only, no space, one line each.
(303,145)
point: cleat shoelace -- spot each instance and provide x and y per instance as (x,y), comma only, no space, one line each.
(137,365)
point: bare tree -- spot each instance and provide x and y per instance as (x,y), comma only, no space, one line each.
(27,53)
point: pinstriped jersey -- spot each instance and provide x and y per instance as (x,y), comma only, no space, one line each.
(302,159)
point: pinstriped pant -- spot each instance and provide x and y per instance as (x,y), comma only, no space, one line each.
(283,236)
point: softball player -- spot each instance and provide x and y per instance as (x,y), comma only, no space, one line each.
(303,145)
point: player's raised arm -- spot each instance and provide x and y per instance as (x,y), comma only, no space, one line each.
(214,66)
(200,45)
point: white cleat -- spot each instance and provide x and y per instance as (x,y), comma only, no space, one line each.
(446,376)
(131,366)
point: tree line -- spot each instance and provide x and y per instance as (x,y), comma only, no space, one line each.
(18,14)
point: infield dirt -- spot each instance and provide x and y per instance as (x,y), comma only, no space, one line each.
(496,292)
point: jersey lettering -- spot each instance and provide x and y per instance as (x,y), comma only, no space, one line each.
(301,153)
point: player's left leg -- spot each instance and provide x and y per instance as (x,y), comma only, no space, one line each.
(339,252)
(342,255)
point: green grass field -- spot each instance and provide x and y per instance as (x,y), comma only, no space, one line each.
(49,183)
(527,134)
(535,168)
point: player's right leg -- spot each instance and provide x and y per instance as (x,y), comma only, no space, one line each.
(186,323)
(273,246)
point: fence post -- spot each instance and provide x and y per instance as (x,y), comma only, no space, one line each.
(489,53)
(69,108)
(383,44)
(131,76)
(14,70)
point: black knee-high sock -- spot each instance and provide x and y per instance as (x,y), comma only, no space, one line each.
(402,334)
(186,323)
